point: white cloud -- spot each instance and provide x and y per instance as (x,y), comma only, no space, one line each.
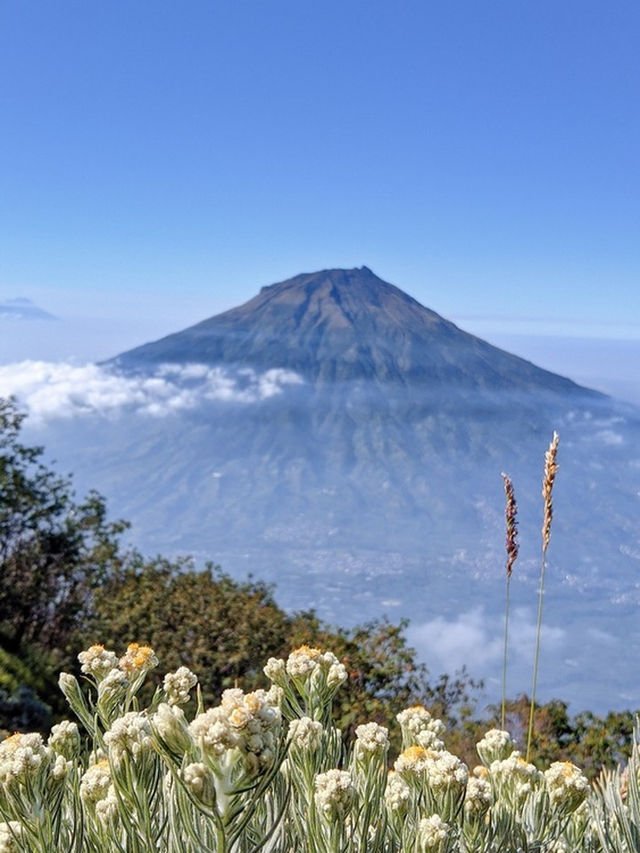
(472,639)
(609,437)
(63,389)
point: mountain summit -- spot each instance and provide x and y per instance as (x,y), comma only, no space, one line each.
(345,325)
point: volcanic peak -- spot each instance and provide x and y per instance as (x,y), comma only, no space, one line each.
(347,325)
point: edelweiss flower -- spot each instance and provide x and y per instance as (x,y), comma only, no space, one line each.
(478,796)
(128,735)
(305,733)
(515,777)
(95,783)
(418,726)
(107,808)
(567,785)
(21,758)
(200,780)
(335,793)
(178,684)
(302,662)
(10,835)
(432,834)
(65,739)
(496,745)
(137,661)
(97,661)
(213,732)
(371,737)
(397,795)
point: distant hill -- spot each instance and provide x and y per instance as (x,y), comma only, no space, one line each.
(21,308)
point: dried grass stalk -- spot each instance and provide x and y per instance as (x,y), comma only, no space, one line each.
(550,471)
(511,513)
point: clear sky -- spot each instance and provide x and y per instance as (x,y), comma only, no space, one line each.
(162,160)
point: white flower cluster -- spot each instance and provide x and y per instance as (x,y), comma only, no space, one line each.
(178,684)
(335,793)
(95,782)
(496,745)
(257,720)
(107,808)
(413,760)
(247,721)
(22,756)
(441,769)
(305,734)
(97,661)
(397,794)
(567,785)
(213,733)
(199,779)
(305,662)
(445,771)
(128,735)
(478,796)
(61,768)
(515,776)
(432,834)
(419,727)
(137,661)
(65,739)
(10,833)
(276,670)
(371,738)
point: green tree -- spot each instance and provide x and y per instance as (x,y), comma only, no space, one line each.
(53,550)
(224,630)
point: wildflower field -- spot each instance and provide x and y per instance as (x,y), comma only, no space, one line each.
(267,770)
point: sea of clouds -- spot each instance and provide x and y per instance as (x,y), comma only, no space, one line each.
(50,390)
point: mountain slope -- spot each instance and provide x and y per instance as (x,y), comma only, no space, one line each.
(345,325)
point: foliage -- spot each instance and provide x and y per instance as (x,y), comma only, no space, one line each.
(22,681)
(225,629)
(53,551)
(205,620)
(266,770)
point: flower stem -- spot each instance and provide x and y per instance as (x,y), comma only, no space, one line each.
(503,714)
(536,658)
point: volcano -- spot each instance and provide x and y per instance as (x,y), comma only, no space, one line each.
(344,326)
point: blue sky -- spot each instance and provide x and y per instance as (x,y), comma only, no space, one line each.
(159,161)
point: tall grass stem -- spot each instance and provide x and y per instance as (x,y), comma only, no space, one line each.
(503,714)
(550,471)
(511,542)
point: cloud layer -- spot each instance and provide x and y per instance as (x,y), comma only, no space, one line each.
(471,640)
(63,389)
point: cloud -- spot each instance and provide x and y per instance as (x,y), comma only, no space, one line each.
(609,437)
(472,639)
(63,389)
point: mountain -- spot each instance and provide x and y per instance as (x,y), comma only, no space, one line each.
(344,326)
(21,308)
(334,436)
